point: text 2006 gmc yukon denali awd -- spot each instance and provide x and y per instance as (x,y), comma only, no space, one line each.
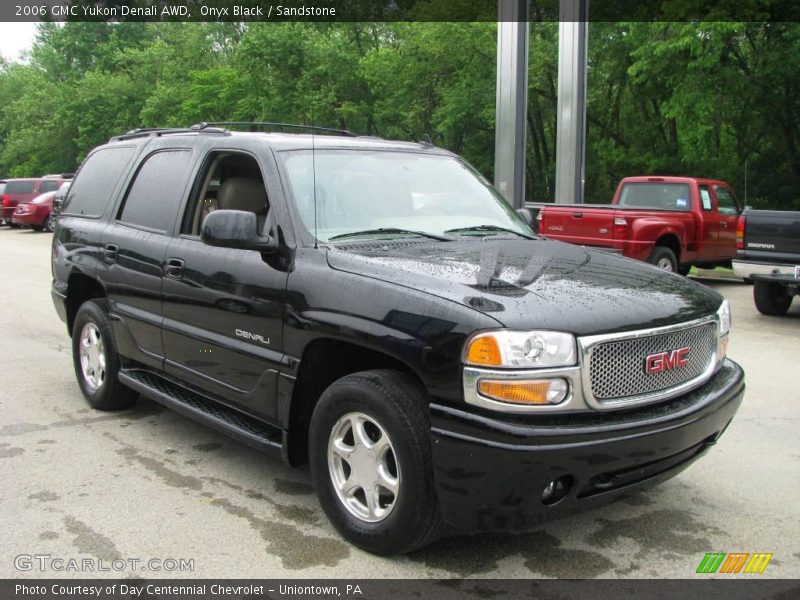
(375,309)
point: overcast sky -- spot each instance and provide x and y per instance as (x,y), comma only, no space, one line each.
(15,38)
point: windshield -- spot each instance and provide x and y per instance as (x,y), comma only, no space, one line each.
(380,195)
(669,196)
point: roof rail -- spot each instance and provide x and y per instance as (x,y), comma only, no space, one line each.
(159,131)
(264,125)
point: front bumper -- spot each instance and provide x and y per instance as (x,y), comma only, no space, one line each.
(491,470)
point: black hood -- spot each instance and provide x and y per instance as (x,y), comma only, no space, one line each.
(540,284)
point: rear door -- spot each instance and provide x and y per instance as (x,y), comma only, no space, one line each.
(708,233)
(134,245)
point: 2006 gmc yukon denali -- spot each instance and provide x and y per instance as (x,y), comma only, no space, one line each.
(375,309)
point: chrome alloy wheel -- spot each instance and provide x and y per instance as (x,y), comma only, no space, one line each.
(93,357)
(664,263)
(363,467)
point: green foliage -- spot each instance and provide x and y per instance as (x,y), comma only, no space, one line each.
(702,98)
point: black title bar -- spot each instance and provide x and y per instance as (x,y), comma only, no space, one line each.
(281,11)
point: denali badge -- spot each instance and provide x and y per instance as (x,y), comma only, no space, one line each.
(256,337)
(666,361)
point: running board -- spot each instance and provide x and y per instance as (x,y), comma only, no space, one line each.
(244,428)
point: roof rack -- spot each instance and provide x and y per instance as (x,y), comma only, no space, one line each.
(159,131)
(264,125)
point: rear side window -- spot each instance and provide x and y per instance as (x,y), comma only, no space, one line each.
(95,182)
(2,187)
(20,187)
(157,190)
(48,185)
(668,196)
(705,197)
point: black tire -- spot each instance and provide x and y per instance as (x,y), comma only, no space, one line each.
(771,298)
(398,404)
(684,269)
(48,223)
(37,227)
(108,393)
(663,257)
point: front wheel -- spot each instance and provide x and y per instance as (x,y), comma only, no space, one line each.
(663,258)
(370,458)
(95,358)
(771,298)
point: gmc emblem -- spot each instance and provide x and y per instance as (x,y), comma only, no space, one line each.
(666,361)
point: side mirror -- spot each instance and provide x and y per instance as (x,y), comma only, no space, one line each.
(528,216)
(235,229)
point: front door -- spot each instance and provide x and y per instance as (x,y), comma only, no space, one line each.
(728,210)
(223,308)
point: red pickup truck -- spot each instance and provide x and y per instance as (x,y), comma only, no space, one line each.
(671,222)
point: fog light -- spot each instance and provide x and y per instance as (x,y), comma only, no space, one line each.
(556,490)
(532,391)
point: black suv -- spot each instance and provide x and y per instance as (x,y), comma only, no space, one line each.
(376,309)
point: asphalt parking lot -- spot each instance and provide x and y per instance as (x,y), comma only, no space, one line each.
(147,483)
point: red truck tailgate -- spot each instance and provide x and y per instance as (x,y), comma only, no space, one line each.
(588,224)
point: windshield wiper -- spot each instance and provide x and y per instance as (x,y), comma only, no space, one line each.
(390,230)
(489,228)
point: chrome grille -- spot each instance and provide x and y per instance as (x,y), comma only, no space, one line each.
(617,368)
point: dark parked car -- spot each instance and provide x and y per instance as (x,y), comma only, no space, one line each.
(35,214)
(768,254)
(376,309)
(25,190)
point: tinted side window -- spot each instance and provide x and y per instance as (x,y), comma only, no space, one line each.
(95,182)
(153,198)
(48,185)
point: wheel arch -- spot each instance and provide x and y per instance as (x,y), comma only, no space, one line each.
(80,288)
(670,240)
(324,361)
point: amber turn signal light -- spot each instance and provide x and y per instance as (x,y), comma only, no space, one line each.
(538,391)
(484,350)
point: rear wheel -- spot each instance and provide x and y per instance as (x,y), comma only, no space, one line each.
(370,458)
(95,358)
(771,298)
(664,258)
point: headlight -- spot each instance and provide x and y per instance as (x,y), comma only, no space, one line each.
(724,318)
(521,349)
